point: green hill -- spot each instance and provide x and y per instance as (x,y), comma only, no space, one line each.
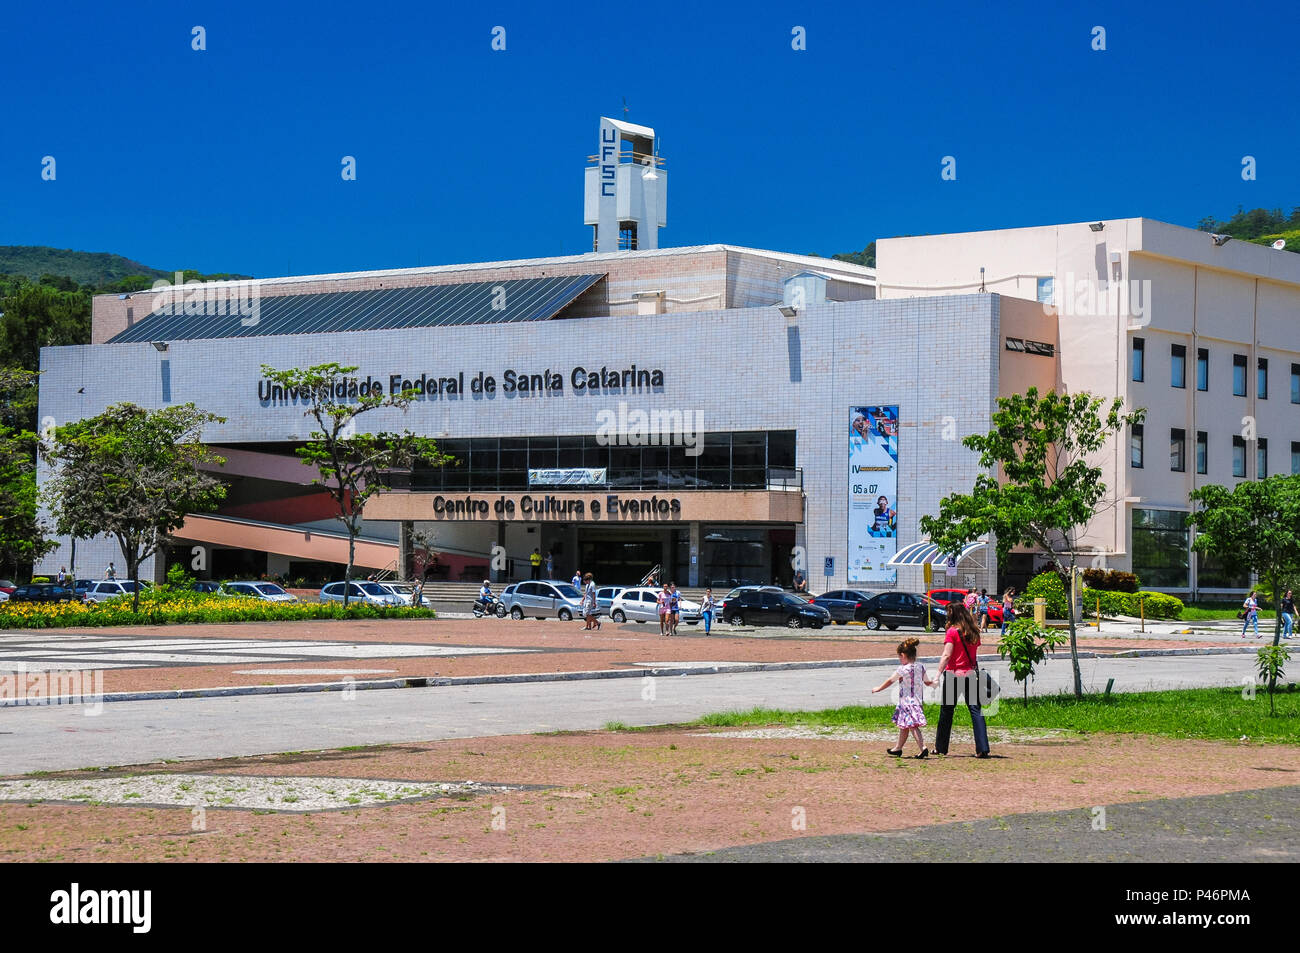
(84,267)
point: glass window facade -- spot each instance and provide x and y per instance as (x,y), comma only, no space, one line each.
(1239,456)
(1295,383)
(1239,375)
(743,460)
(1135,446)
(1211,574)
(1177,450)
(1261,379)
(1202,368)
(1261,458)
(1160,548)
(1138,361)
(1202,452)
(1295,456)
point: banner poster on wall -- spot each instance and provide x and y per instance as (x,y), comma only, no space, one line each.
(873,493)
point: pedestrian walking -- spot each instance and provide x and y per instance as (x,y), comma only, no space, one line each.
(674,608)
(983,607)
(1008,609)
(707,608)
(909,716)
(550,564)
(111,571)
(417,594)
(535,561)
(577,578)
(662,601)
(590,605)
(1287,608)
(959,668)
(1250,614)
(63,575)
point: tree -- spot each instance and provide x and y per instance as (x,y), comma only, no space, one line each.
(133,474)
(1026,644)
(22,532)
(1254,527)
(36,316)
(1048,491)
(351,465)
(1271,661)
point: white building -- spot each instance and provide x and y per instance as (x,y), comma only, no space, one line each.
(1203,333)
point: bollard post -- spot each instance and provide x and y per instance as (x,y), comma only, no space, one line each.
(1099,613)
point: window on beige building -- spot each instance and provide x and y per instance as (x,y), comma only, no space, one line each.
(1177,450)
(1177,365)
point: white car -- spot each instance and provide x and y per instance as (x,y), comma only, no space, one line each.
(641,604)
(370,592)
(111,589)
(260,590)
(404,591)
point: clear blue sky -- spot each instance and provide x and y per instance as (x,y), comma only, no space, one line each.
(229,159)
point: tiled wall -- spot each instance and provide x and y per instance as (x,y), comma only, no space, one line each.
(742,369)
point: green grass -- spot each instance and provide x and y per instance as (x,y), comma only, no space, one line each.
(1219,714)
(1204,611)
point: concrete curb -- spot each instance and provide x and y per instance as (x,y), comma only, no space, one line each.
(528,677)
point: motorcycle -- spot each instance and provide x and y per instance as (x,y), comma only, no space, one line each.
(491,606)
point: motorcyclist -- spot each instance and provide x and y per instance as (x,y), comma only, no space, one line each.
(485,597)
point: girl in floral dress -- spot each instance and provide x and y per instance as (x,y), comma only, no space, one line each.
(909,716)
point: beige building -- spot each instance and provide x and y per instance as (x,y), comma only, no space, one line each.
(1202,331)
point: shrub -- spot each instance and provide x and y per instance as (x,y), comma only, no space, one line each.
(1046,585)
(1110,580)
(1158,605)
(163,607)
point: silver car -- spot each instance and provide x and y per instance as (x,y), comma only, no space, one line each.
(368,592)
(266,591)
(542,600)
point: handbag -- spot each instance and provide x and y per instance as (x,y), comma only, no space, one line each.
(986,686)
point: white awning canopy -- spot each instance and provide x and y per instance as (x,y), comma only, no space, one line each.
(918,554)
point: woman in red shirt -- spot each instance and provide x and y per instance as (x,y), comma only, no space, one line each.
(960,672)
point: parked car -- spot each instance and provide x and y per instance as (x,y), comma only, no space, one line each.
(641,604)
(102,589)
(208,586)
(947,596)
(369,592)
(43,592)
(405,591)
(542,600)
(842,604)
(892,609)
(735,594)
(768,607)
(262,590)
(605,596)
(7,586)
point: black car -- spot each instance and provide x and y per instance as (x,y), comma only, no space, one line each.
(44,592)
(843,604)
(765,607)
(892,609)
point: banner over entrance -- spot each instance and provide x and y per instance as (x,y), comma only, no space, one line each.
(873,493)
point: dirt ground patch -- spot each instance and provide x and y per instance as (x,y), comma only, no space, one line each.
(635,794)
